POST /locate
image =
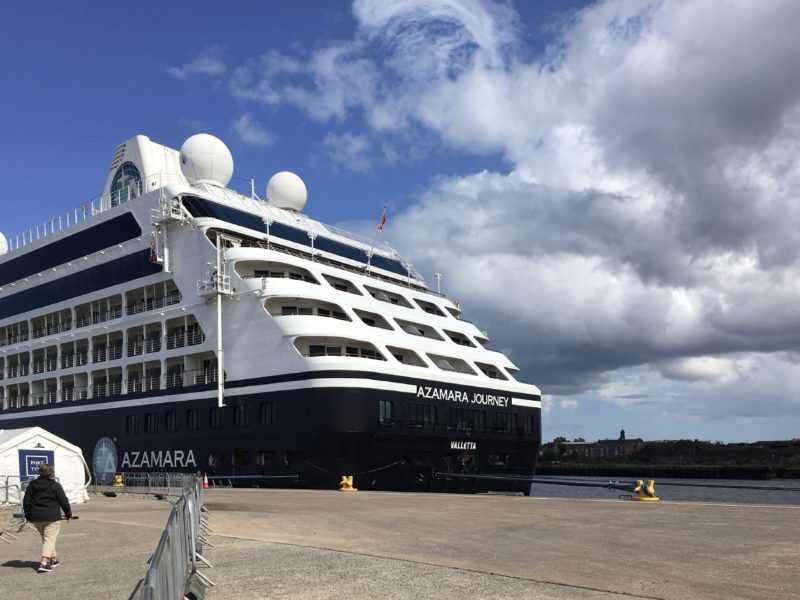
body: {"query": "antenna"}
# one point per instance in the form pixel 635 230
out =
pixel 438 282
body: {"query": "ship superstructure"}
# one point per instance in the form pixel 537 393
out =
pixel 336 358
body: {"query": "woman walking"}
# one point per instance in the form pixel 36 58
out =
pixel 43 502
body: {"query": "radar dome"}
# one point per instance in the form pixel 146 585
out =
pixel 205 158
pixel 3 244
pixel 287 190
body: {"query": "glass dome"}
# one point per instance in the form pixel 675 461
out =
pixel 126 185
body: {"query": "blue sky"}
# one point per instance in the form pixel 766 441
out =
pixel 610 189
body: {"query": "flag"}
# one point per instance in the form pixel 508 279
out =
pixel 383 220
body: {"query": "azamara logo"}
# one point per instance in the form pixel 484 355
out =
pixel 149 459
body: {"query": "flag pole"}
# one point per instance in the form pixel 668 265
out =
pixel 375 237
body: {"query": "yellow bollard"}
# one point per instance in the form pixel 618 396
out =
pixel 346 484
pixel 118 481
pixel 645 493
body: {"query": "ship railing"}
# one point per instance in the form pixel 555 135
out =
pixel 38 367
pixel 135 348
pixel 141 306
pixel 18 370
pixel 14 339
pixel 143 384
pixel 152 345
pixel 190 377
pixel 74 393
pixel 176 340
pixel 89 209
pixel 106 389
pixel 41 398
pixel 115 352
pixel 53 329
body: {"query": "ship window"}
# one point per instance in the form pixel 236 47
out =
pixel 171 421
pixel 216 418
pixel 429 308
pixel 406 356
pixel 385 411
pixel 466 419
pixel 265 458
pixel 505 422
pixel 305 310
pixel 151 423
pixel 387 296
pixel 266 414
pixel 288 310
pixel 240 417
pixel 373 319
pixel 241 457
pixel 215 458
pixel 499 460
pixel 419 329
pixel 421 415
pixel 294 458
pixel 531 424
pixel 334 347
pixel 132 424
pixel 193 419
pixel 449 363
pixel 341 284
pixel 491 371
pixel 126 185
pixel 323 312
pixel 459 338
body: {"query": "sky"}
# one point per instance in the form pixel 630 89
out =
pixel 610 189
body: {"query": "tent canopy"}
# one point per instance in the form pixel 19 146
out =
pixel 22 450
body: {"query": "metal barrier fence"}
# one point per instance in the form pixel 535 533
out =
pixel 168 484
pixel 11 493
pixel 175 559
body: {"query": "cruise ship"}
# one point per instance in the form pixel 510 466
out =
pixel 174 324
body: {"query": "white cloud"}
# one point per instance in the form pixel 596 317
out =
pixel 251 131
pixel 347 151
pixel 651 215
pixel 207 63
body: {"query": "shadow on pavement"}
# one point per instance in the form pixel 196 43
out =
pixel 21 564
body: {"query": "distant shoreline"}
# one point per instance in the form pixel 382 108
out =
pixel 756 472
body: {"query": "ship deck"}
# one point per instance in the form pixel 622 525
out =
pixel 323 544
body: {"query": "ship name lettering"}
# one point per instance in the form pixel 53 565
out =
pixel 136 459
pixel 463 446
pixel 435 393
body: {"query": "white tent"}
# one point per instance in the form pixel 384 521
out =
pixel 22 450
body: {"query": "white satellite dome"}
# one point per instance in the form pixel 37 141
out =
pixel 205 158
pixel 287 190
pixel 3 244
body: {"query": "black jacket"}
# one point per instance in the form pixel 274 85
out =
pixel 44 500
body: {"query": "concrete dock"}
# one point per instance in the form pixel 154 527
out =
pixel 326 544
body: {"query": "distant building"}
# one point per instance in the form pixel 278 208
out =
pixel 601 448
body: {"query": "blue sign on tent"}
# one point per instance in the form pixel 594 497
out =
pixel 31 460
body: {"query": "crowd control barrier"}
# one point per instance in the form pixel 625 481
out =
pixel 168 484
pixel 175 559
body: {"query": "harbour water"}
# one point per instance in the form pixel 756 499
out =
pixel 693 490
